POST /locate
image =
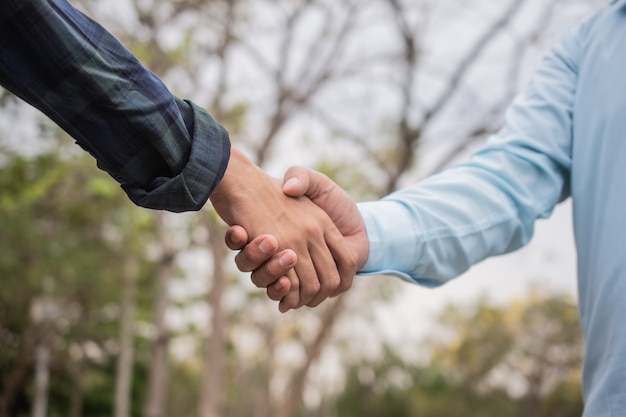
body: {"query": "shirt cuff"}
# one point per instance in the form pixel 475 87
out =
pixel 190 189
pixel 394 244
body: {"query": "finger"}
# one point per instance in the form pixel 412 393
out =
pixel 332 199
pixel 279 289
pixel 320 282
pixel 345 261
pixel 292 299
pixel 236 237
pixel 256 253
pixel 300 181
pixel 279 265
pixel 328 283
pixel 296 181
pixel 326 268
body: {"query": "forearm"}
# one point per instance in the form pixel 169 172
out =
pixel 436 230
pixel 166 153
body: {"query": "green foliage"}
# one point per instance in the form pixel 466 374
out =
pixel 351 178
pixel 68 235
pixel 519 360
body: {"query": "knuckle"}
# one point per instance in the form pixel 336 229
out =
pixel 291 301
pixel 256 280
pixel 345 287
pixel 272 268
pixel 312 225
pixel 335 281
pixel 330 283
pixel 242 262
pixel 273 294
pixel 346 283
pixel 311 289
pixel 315 302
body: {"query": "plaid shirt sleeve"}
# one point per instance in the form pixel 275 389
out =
pixel 167 153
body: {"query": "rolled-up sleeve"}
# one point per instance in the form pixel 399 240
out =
pixel 167 153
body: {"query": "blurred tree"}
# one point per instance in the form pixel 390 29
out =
pixel 67 240
pixel 522 359
pixel 358 88
pixel 125 357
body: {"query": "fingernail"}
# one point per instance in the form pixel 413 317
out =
pixel 278 285
pixel 286 259
pixel 291 181
pixel 266 246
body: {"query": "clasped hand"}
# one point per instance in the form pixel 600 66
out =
pixel 307 243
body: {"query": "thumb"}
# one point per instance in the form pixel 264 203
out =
pixel 236 237
pixel 299 181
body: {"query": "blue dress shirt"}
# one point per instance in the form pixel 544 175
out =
pixel 565 137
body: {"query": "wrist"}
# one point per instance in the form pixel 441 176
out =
pixel 362 250
pixel 230 194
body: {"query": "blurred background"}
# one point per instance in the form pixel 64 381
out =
pixel 107 309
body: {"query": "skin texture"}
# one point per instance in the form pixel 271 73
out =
pixel 270 265
pixel 292 229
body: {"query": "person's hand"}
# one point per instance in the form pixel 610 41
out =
pixel 270 266
pixel 259 250
pixel 248 197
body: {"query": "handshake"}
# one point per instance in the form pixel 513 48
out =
pixel 303 240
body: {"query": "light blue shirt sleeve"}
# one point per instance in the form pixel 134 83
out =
pixel 564 137
pixel 435 230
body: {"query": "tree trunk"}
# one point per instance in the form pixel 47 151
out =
pixel 14 381
pixel 212 393
pixel 156 395
pixel 293 400
pixel 77 396
pixel 264 407
pixel 125 360
pixel 42 379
